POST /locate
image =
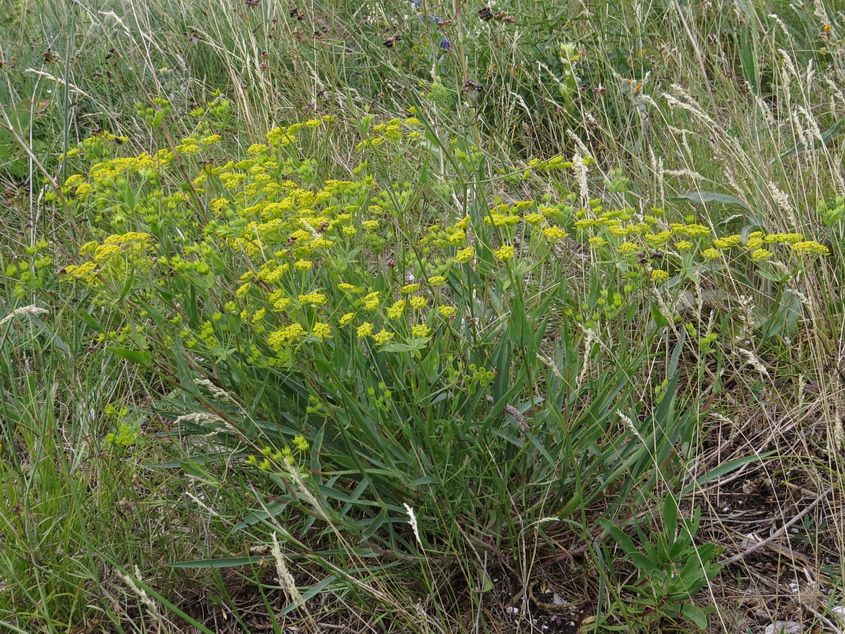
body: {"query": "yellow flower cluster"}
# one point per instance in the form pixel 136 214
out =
pixel 630 236
pixel 312 299
pixel 132 245
pixel 285 335
pixel 810 246
pixel 505 252
pixel 393 131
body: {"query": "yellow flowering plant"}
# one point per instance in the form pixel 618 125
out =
pixel 338 311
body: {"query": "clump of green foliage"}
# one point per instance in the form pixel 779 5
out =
pixel 419 355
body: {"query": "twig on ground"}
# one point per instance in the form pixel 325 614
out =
pixel 765 542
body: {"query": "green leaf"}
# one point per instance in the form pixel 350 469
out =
pixel 520 328
pixel 778 278
pixel 20 118
pixel 659 318
pixel 486 583
pixel 200 459
pixel 397 347
pixel 694 614
pixel 501 359
pixel 676 353
pixel 135 356
pixel 54 337
pixel 644 563
pixel 375 524
pixel 153 313
pixel 229 562
pixel 516 441
pixel 670 516
pixel 420 482
pixel 784 318
pixel 272 509
pixel 90 320
pixel 723 469
pixel 619 537
pixel 128 283
pixel 539 448
pixel 195 470
pixel 702 198
pixel 308 594
pixel 748 55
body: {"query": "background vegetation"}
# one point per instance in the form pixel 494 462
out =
pixel 421 316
